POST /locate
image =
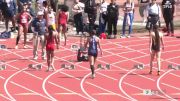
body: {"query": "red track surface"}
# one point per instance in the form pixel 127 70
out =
pixel 120 83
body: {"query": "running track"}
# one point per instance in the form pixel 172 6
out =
pixel 121 83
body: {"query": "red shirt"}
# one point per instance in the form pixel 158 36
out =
pixel 24 18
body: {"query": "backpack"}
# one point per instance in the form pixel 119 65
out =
pixel 5 35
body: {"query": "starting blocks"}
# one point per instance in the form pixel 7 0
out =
pixel 139 66
pixel 2 46
pixel 171 66
pixel 2 65
pixel 74 47
pixel 65 66
pixel 38 66
pixel 107 66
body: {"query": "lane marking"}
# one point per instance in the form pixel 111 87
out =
pixel 120 84
pixel 158 86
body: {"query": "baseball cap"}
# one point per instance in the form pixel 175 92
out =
pixel 40 13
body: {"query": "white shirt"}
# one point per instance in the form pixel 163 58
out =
pixel 154 9
pixel 103 7
pixel 8 2
pixel 51 18
pixel 129 5
pixel 78 8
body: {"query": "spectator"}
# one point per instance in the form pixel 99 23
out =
pixel 91 10
pixel 9 12
pixel 153 14
pixel 169 11
pixel 1 16
pixel 39 29
pixel 78 18
pixel 142 8
pixel 113 13
pixel 128 17
pixel 103 16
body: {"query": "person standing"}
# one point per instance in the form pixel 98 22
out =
pixel 93 41
pixel 103 17
pixel 153 14
pixel 62 19
pixel 24 19
pixel 156 45
pixel 113 14
pixel 50 39
pixel 128 17
pixel 91 10
pixel 78 18
pixel 39 29
pixel 9 12
pixel 169 11
pixel 142 8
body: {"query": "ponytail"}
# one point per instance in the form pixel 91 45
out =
pixel 157 37
pixel 50 29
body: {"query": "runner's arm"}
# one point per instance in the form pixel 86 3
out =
pixel 56 40
pixel 162 42
pixel 99 44
pixel 150 42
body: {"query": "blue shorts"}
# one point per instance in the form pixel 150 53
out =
pixel 93 54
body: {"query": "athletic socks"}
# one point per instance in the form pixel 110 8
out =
pixel 17 39
pixel 92 69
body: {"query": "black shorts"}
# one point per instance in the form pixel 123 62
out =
pixel 9 13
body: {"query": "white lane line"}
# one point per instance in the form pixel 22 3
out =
pixel 111 92
pixel 82 86
pixel 44 84
pixel 68 90
pixel 158 86
pixel 171 86
pixel 5 97
pixel 6 82
pixel 120 84
pixel 29 90
pixel 2 77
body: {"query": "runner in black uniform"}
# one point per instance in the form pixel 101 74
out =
pixel 156 39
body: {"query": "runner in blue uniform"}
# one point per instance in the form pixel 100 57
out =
pixel 93 41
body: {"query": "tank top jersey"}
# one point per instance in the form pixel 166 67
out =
pixel 24 18
pixel 156 46
pixel 129 5
pixel 92 45
pixel 51 18
pixel 62 18
pixel 50 43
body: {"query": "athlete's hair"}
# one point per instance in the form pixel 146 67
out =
pixel 157 37
pixel 64 8
pixel 50 30
pixel 93 32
